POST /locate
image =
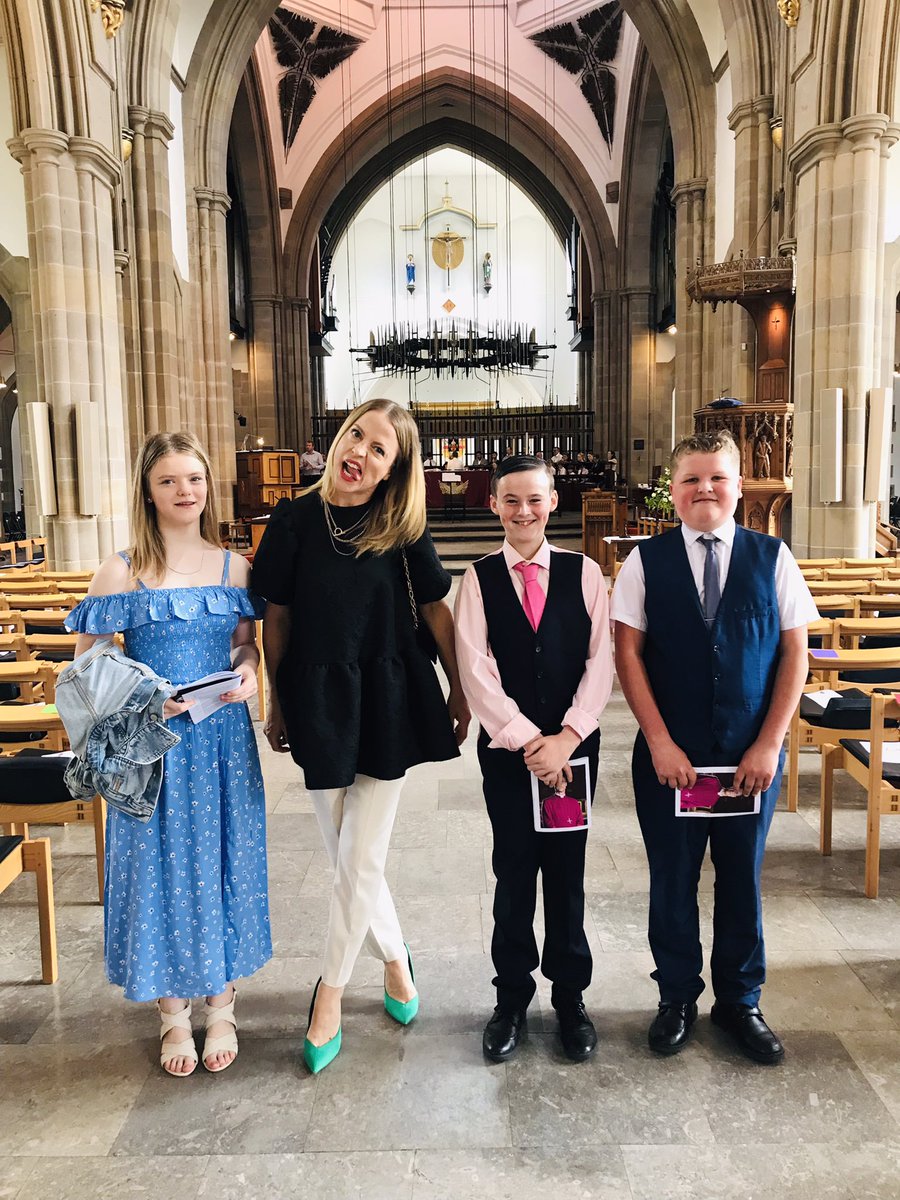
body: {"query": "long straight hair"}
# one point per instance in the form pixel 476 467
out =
pixel 148 553
pixel 397 514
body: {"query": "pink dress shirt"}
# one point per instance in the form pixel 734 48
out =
pixel 500 716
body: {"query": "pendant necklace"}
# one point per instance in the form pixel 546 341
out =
pixel 175 570
pixel 344 537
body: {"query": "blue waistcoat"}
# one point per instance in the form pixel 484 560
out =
pixel 540 670
pixel 712 686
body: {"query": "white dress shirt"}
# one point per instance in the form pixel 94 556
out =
pixel 796 606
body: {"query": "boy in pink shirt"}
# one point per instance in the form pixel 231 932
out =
pixel 535 662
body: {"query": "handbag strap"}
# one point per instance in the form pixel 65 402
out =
pixel 413 607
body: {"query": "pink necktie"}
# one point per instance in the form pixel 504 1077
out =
pixel 534 599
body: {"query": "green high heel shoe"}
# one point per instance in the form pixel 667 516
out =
pixel 317 1058
pixel 403 1011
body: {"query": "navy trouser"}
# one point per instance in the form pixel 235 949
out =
pixel 519 853
pixel 675 848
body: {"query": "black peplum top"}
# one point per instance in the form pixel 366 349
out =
pixel 357 694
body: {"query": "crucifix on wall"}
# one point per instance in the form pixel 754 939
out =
pixel 447 250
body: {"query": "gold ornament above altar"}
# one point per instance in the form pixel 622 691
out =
pixel 112 13
pixel 790 12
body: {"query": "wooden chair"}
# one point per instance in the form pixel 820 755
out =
pixel 826 665
pixel 18 854
pixel 812 573
pixel 32 791
pixel 881 563
pixel 853 573
pixel 848 587
pixel 848 630
pixel 42 620
pixel 54 647
pixel 884 587
pixel 819 562
pixel 63 600
pixel 881 781
pixel 19 586
pixel 836 605
pixel 29 676
pixel 868 606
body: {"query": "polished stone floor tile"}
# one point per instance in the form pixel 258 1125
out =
pixel 177 1177
pixel 878 1057
pixel 13 1174
pixel 532 1174
pixel 259 1105
pixel 733 1173
pixel 818 1094
pixel 68 1099
pixel 818 990
pixel 864 924
pixel 619 1096
pixel 880 972
pixel 396 1091
pixel 379 1175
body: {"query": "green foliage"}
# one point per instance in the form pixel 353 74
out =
pixel 659 502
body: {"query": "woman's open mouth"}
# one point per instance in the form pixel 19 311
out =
pixel 351 471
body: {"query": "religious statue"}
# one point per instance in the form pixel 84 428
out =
pixel 487 268
pixel 789 450
pixel 410 273
pixel 762 452
pixel 447 250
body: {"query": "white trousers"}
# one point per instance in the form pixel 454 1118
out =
pixel 356 824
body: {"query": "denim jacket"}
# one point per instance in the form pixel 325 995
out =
pixel 112 708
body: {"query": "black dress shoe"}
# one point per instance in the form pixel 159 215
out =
pixel 502 1033
pixel 746 1025
pixel 671 1027
pixel 579 1037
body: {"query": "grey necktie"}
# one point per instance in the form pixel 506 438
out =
pixel 712 593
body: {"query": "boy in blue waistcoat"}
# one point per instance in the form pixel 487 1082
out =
pixel 533 646
pixel 711 652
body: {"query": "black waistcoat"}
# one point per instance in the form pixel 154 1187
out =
pixel 541 671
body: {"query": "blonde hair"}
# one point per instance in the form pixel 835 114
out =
pixel 148 553
pixel 397 514
pixel 713 442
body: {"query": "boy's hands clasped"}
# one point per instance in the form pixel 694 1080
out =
pixel 547 756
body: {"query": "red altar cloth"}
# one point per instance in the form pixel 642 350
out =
pixel 478 488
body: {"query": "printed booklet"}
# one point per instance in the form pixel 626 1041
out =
pixel 714 795
pixel 563 809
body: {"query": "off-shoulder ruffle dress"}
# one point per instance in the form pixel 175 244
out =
pixel 186 894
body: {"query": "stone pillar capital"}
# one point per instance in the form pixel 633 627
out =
pixel 150 123
pixel 121 258
pixel 213 200
pixel 748 112
pixel 687 189
pixel 823 141
pixel 95 158
pixel 44 144
pixel 864 131
pixel 303 303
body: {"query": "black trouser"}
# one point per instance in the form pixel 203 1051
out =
pixel 519 853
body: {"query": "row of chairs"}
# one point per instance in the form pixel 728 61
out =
pixel 838 665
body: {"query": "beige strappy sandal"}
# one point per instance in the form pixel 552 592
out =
pixel 228 1041
pixel 171 1050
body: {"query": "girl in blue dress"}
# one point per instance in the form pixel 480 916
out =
pixel 186 899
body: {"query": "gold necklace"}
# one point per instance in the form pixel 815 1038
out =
pixel 175 570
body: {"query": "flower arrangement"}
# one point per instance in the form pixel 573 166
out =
pixel 659 502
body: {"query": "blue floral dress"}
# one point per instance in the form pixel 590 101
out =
pixel 187 906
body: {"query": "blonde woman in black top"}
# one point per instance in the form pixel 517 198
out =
pixel 348 570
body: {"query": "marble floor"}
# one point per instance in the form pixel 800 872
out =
pixel 417 1113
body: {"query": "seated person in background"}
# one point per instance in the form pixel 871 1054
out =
pixel 479 462
pixel 312 464
pixel 454 463
pixel 428 463
pixel 493 462
pixel 557 456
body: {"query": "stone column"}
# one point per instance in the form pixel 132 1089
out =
pixel 839 181
pixel 599 394
pixel 265 352
pixel 69 188
pixel 152 265
pixel 215 426
pixel 689 197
